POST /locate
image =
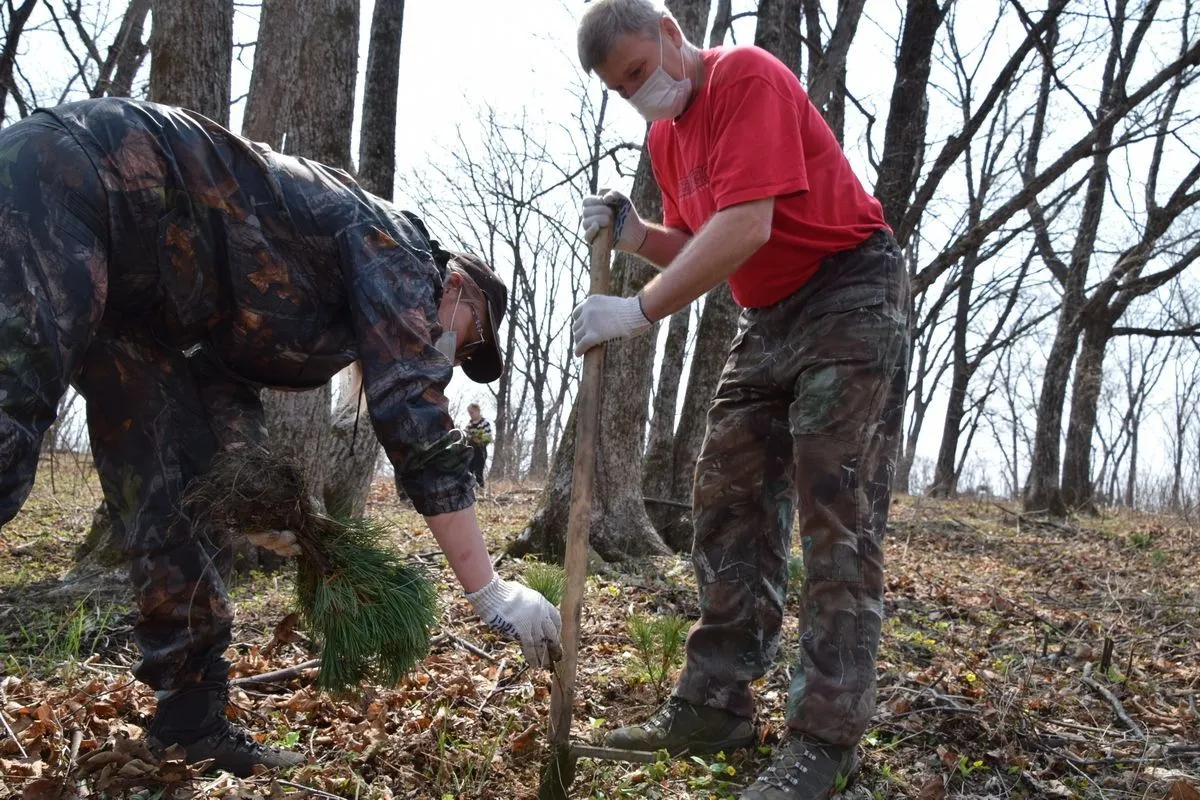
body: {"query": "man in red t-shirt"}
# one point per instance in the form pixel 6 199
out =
pixel 806 417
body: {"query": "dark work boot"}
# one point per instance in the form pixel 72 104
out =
pixel 194 718
pixel 805 769
pixel 680 727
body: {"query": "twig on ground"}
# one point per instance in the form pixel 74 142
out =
pixel 496 685
pixel 310 789
pixel 937 709
pixel 277 675
pixel 76 741
pixel 446 636
pixel 1118 709
pixel 7 727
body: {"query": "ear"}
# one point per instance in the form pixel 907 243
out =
pixel 454 280
pixel 671 31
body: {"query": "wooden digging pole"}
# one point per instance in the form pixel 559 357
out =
pixel 559 769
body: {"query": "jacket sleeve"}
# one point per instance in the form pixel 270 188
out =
pixel 394 290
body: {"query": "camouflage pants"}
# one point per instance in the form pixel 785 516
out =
pixel 806 418
pixel 155 416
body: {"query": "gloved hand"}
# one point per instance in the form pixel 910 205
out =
pixel 602 317
pixel 281 543
pixel 613 208
pixel 522 614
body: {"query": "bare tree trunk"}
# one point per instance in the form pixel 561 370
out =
pixel 714 334
pixel 904 136
pixel 187 69
pixel 1042 486
pixel 304 105
pixel 778 30
pixel 620 526
pixel 18 16
pixel 827 77
pixel 126 53
pixel 945 474
pixel 656 471
pixel 353 445
pixel 1077 490
pixel 377 143
pixel 721 23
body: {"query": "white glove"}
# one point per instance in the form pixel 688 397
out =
pixel 602 317
pixel 522 614
pixel 613 208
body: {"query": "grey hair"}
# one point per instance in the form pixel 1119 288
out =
pixel 606 20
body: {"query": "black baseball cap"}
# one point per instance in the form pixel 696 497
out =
pixel 485 364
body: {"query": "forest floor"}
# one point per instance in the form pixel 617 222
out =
pixel 1020 658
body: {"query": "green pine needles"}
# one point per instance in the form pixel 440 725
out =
pixel 370 611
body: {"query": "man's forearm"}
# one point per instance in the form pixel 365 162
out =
pixel 711 256
pixel 460 538
pixel 662 245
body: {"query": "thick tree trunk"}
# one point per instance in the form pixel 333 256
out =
pixel 904 136
pixel 187 69
pixel 778 30
pixel 657 471
pixel 1042 488
pixel 377 143
pixel 620 526
pixel 718 322
pixel 302 103
pixel 1077 489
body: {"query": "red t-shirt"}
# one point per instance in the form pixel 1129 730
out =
pixel 750 133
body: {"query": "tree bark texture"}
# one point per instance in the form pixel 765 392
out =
pixel 191 69
pixel 657 470
pixel 904 136
pixel 377 142
pixel 302 103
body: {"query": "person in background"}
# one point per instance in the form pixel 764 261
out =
pixel 479 436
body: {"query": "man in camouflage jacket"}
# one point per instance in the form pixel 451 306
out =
pixel 169 270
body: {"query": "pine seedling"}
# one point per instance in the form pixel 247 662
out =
pixel 371 612
pixel 548 580
pixel 659 644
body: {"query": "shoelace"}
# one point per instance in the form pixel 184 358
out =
pixel 242 740
pixel 662 717
pixel 782 772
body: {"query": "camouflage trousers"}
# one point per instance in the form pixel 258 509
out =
pixel 155 416
pixel 805 420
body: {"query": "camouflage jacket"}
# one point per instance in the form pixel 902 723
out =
pixel 283 269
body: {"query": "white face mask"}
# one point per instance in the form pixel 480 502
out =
pixel 447 343
pixel 661 96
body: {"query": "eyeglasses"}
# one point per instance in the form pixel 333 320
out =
pixel 466 350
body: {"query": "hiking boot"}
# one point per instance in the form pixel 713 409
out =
pixel 194 718
pixel 680 727
pixel 805 770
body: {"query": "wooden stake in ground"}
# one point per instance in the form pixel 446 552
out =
pixel 559 770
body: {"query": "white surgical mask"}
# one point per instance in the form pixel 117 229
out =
pixel 447 343
pixel 661 96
